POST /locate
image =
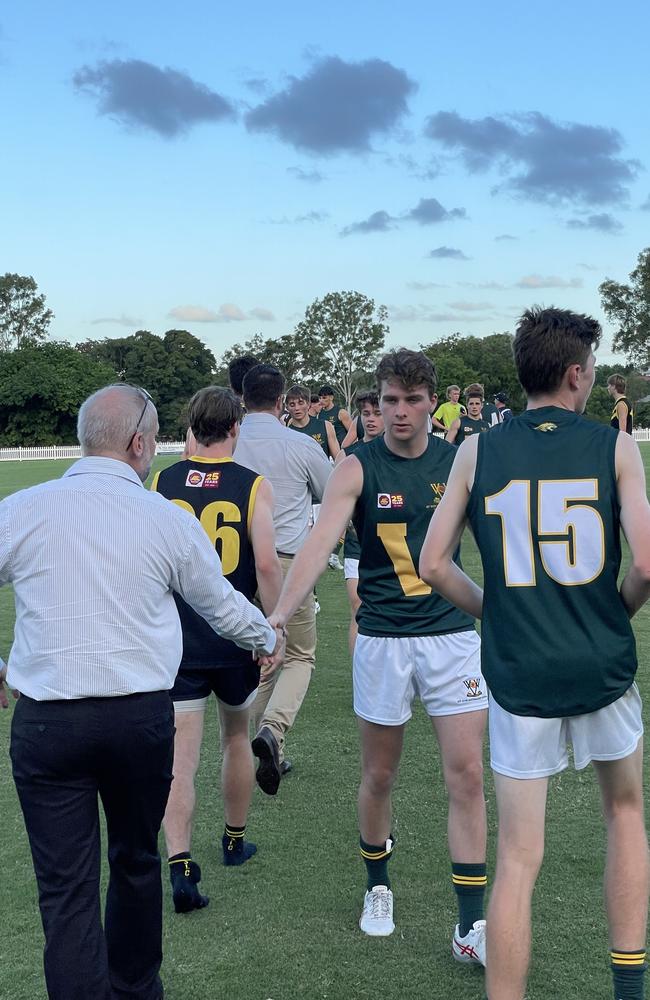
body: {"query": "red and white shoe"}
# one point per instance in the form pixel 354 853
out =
pixel 471 948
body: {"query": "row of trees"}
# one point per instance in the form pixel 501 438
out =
pixel 42 383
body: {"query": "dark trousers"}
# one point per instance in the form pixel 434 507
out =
pixel 66 755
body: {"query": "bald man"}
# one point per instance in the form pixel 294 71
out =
pixel 94 558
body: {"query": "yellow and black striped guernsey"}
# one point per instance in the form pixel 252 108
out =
pixel 221 494
pixel 556 638
pixel 391 518
pixel 629 420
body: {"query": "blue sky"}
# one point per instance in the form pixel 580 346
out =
pixel 215 168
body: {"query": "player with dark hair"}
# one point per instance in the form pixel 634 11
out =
pixel 237 369
pixel 411 641
pixel 463 427
pixel 546 495
pixel 297 402
pixel 622 415
pixel 235 507
pixel 338 416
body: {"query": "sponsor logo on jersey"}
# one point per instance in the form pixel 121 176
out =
pixel 390 500
pixel 195 478
pixel 548 426
pixel 473 685
pixel 212 479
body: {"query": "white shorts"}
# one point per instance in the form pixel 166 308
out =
pixel 444 671
pixel 523 746
pixel 351 569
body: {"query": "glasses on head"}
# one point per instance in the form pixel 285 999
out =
pixel 147 399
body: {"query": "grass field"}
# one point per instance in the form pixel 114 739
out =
pixel 284 926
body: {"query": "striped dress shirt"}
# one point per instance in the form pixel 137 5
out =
pixel 94 558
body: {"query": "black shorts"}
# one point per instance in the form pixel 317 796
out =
pixel 231 685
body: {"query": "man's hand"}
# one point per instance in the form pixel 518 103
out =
pixel 269 664
pixel 4 701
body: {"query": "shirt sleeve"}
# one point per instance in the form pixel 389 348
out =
pixel 318 471
pixel 5 549
pixel 439 411
pixel 201 583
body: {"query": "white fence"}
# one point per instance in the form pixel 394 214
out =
pixel 73 451
pixel 163 448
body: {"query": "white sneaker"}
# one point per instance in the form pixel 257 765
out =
pixel 377 917
pixel 334 562
pixel 470 948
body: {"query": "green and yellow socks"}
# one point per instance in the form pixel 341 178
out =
pixel 376 857
pixel 470 882
pixel 628 971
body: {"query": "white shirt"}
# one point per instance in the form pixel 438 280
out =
pixel 94 558
pixel 295 466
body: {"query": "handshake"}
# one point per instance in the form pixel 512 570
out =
pixel 270 663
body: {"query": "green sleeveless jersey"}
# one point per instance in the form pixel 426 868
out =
pixel 351 547
pixel 629 423
pixel 391 518
pixel 556 638
pixel 333 417
pixel 469 427
pixel 316 431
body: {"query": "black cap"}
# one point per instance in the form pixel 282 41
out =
pixel 501 397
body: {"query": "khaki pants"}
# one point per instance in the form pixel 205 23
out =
pixel 279 699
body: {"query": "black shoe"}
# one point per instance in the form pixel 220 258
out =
pixel 185 876
pixel 265 746
pixel 285 767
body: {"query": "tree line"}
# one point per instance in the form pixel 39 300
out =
pixel 43 382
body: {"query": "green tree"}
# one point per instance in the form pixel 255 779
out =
pixel 42 387
pixel 487 360
pixel 23 314
pixel 628 306
pixel 340 338
pixel 171 368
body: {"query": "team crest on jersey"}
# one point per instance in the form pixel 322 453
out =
pixel 195 478
pixel 212 479
pixel 391 501
pixel 438 493
pixel 546 427
pixel 473 685
pixel 318 438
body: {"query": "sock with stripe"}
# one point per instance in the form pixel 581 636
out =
pixel 469 883
pixel 236 850
pixel 628 971
pixel 376 857
pixel 185 875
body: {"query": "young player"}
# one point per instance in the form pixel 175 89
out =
pixel 336 415
pixel 463 427
pixel 235 506
pixel 547 494
pixel 411 641
pixel 622 415
pixel 372 425
pixel 446 413
pixel 297 402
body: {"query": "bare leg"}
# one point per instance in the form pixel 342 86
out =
pixel 381 749
pixel 238 770
pixel 177 823
pixel 355 603
pixel 520 849
pixel 461 747
pixel 626 870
